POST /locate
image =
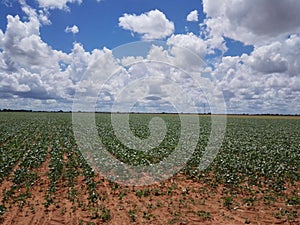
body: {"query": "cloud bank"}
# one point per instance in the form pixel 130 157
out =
pixel 266 80
pixel 253 22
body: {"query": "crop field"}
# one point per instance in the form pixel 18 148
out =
pixel 45 179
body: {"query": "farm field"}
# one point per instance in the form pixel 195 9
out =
pixel 45 179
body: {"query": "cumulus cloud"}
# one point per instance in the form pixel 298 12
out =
pixel 277 57
pixel 192 16
pixel 151 25
pixel 59 4
pixel 252 21
pixel 268 59
pixel 23 46
pixel 188 51
pixel 190 41
pixel 74 29
pixel 43 16
pixel 265 81
pixel 29 67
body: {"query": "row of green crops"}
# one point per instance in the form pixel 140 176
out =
pixel 259 151
pixel 27 141
pixel 266 152
pixel 252 148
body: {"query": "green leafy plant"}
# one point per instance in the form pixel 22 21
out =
pixel 132 215
pixel 204 215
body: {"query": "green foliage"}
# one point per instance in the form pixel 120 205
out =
pixel 105 214
pixel 204 215
pixel 287 214
pixel 143 192
pixel 228 202
pixel 2 209
pixel 293 200
pixel 257 152
pixel 101 213
pixel 132 215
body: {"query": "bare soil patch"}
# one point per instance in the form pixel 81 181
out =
pixel 177 201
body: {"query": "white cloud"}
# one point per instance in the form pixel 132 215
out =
pixel 74 29
pixel 43 16
pixel 268 59
pixel 29 68
pixel 7 3
pixel 189 41
pixel 253 21
pixel 59 4
pixel 151 25
pixel 188 51
pixel 34 75
pixel 276 57
pixel 192 16
pixel 265 81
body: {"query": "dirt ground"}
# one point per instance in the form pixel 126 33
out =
pixel 176 201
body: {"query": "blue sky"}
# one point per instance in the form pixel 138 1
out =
pixel 98 21
pixel 47 47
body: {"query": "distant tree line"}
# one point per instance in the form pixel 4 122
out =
pixel 208 113
pixel 15 110
pixel 28 110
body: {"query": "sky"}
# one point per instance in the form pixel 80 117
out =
pixel 156 56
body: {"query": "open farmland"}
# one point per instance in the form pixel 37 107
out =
pixel 44 178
